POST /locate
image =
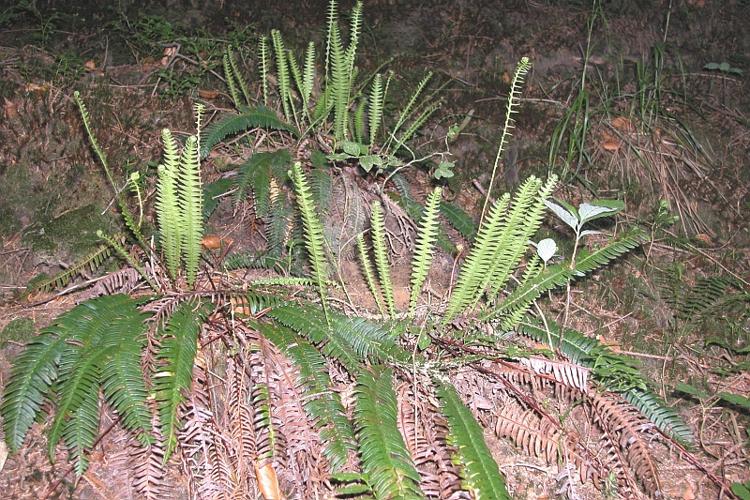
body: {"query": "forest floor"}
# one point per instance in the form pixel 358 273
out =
pixel 666 119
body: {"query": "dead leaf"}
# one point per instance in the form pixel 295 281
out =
pixel 211 242
pixel 208 93
pixel 688 493
pixel 613 344
pixel 268 483
pixel 90 65
pixel 36 87
pixel 610 143
pixel 622 123
pixel 506 78
pixel 10 109
pixel 704 238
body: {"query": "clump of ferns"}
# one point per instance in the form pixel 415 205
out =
pixel 342 115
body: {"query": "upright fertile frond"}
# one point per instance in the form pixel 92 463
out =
pixel 263 62
pixel 313 230
pixel 190 198
pixel 424 248
pixel 297 76
pixel 517 303
pixel 229 77
pixel 364 261
pixel 478 262
pixel 322 404
pixel 522 68
pixel 385 459
pixel 355 29
pixel 406 111
pixel 84 112
pixel 167 205
pixel 308 73
pixel 340 83
pixel 416 125
pixel 176 357
pixel 238 77
pixel 375 108
pixel 479 471
pixel 332 20
pixel 282 71
pixel 381 256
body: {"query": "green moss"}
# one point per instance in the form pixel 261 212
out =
pixel 18 330
pixel 73 232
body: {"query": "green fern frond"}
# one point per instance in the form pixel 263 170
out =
pixel 359 122
pixel 523 221
pixel 190 199
pixel 231 124
pixel 85 118
pixel 415 125
pixel 423 251
pixel 297 77
pixel 90 261
pixel 385 459
pixel 459 219
pixel 263 62
pixel 615 372
pixel 167 207
pixel 80 430
pixel 323 405
pixel 282 72
pixel 375 108
pixel 522 68
pixel 33 372
pixel 278 228
pixel 407 110
pixel 340 83
pixel 477 264
pixel 249 260
pixel 479 472
pixel 313 230
pixel 308 73
pixel 706 293
pixel 263 421
pixel 558 275
pixel 381 256
pixel 355 29
pixel 332 20
pixel 229 77
pixel 256 173
pixel 364 261
pixel 237 74
pixel 175 371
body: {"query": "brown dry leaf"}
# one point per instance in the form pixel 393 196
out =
pixel 506 78
pixel 268 483
pixel 208 93
pixel 610 143
pixel 211 242
pixel 613 344
pixel 622 123
pixel 704 238
pixel 688 493
pixel 10 109
pixel 36 87
pixel 240 306
pixel 90 65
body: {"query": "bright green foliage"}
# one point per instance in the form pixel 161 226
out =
pixel 615 372
pixel 377 225
pixel 313 231
pixel 167 208
pixel 233 74
pixel 190 201
pixel 90 261
pixel 282 70
pixel 375 107
pixel 406 113
pixel 364 260
pixel 263 62
pixel 424 248
pixel 386 462
pixel 323 405
pixel 228 76
pixel 517 303
pixel 174 377
pixel 231 124
pixel 89 346
pixel 479 471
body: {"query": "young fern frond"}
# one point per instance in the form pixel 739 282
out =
pixel 167 207
pixel 323 404
pixel 176 357
pixel 332 19
pixel 263 62
pixel 614 371
pixel 424 247
pixel 375 108
pixel 416 125
pixel 313 232
pixel 308 74
pixel 229 77
pixel 297 76
pixel 364 261
pixel 355 29
pixel 522 222
pixel 340 83
pixel 380 249
pixel 237 74
pixel 522 68
pixel 190 200
pixel 385 459
pixel 479 472
pixel 407 111
pixel 477 264
pixel 519 301
pixel 282 71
